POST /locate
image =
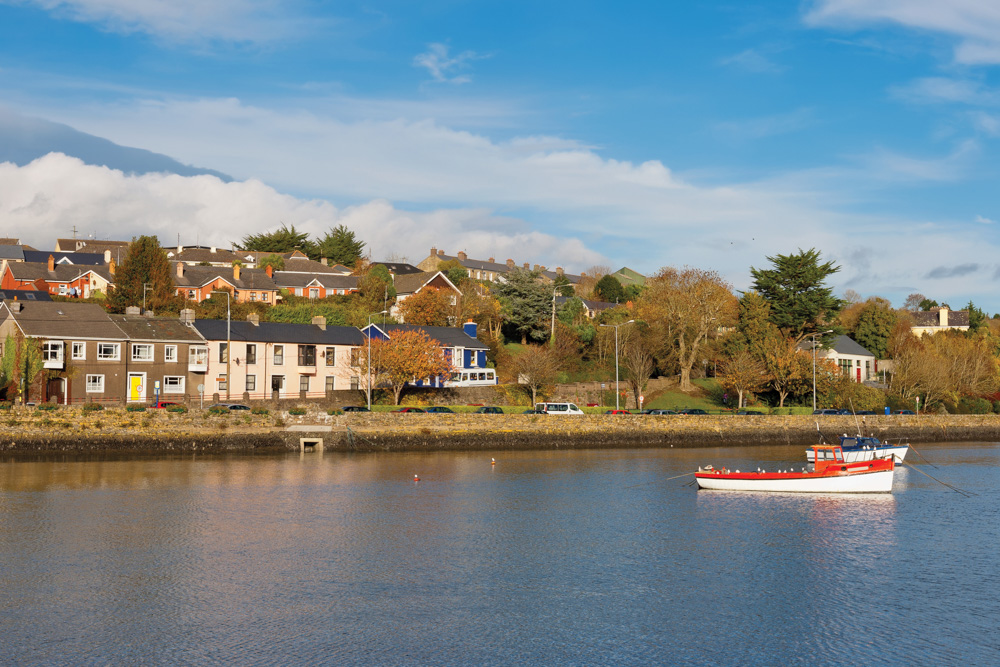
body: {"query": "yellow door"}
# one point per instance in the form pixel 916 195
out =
pixel 137 387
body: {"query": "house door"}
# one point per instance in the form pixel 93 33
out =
pixel 859 373
pixel 55 389
pixel 137 387
pixel 277 385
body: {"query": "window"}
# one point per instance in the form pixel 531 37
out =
pixel 307 355
pixel 331 356
pixel 265 296
pixel 52 351
pixel 79 351
pixel 845 366
pixel 331 384
pixel 304 383
pixel 191 294
pixel 279 355
pixel 223 385
pixel 251 383
pixel 173 384
pixel 95 384
pixel 142 352
pixel 251 353
pixel 313 293
pixel 253 296
pixel 298 291
pixel 62 290
pixel 108 351
pixel 223 352
pixel 170 354
pixel 198 356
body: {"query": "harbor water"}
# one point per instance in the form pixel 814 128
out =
pixel 596 557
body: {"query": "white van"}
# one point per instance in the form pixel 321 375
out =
pixel 558 408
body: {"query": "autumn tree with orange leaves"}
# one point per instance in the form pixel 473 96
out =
pixel 430 307
pixel 407 356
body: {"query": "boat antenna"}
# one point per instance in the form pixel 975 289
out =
pixel 856 424
pixel 819 432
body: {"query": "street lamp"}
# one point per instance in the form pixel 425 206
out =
pixel 145 288
pixel 381 312
pixel 813 336
pixel 229 341
pixel 616 355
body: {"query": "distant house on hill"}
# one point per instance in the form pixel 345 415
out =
pixel 939 319
pixel 117 249
pixel 196 283
pixel 627 276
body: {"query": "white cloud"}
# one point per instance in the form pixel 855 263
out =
pixel 984 221
pixel 187 20
pixel 444 68
pixel 942 89
pixel 974 23
pixel 753 60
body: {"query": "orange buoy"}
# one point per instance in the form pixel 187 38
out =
pixel 416 478
pixel 493 462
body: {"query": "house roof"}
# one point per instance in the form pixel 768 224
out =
pixel 479 264
pixel 932 317
pixel 62 273
pixel 330 281
pixel 9 241
pixel 846 345
pixel 11 252
pixel 50 319
pixel 24 295
pixel 412 282
pixel 199 276
pixel 300 265
pixel 447 336
pixel 279 332
pixel 137 327
pixel 572 278
pixel 197 255
pixel 92 246
pixel 596 306
pixel 78 258
pixel 399 268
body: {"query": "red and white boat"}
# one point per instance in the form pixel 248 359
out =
pixel 831 474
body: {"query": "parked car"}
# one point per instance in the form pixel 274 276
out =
pixel 165 404
pixel 229 406
pixel 661 411
pixel 355 408
pixel 749 412
pixel 437 409
pixel 532 411
pixel 617 412
pixel 409 410
pixel 692 411
pixel 905 412
pixel 488 410
pixel 826 411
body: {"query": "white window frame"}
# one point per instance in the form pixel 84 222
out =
pixel 95 384
pixel 115 355
pixel 78 351
pixel 251 383
pixel 173 384
pixel 313 292
pixel 304 380
pixel 52 350
pixel 279 355
pixel 331 356
pixel 170 354
pixel 137 347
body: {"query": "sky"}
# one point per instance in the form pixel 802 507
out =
pixel 574 134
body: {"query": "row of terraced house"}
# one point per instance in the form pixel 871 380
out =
pixel 94 356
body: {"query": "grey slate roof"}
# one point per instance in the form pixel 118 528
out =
pixel 280 332
pixel 63 273
pixel 411 282
pixel 169 329
pixel 196 255
pixel 198 276
pixel 11 252
pixel 845 345
pixel 299 265
pixel 447 336
pixel 398 268
pixel 78 258
pixel 572 278
pixel 50 319
pixel 328 280
pixel 479 264
pixel 931 318
pixel 24 295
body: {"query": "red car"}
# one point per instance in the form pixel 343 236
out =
pixel 617 412
pixel 165 404
pixel 409 410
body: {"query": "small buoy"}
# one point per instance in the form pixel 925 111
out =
pixel 493 462
pixel 416 478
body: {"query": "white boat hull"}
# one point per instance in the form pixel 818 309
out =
pixel 856 455
pixel 856 482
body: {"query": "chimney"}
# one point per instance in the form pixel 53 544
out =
pixel 236 271
pixel 493 260
pixel 434 251
pixel 107 256
pixel 319 321
pixel 16 306
pixel 323 261
pixel 469 328
pixel 510 264
pixel 180 249
pixel 537 268
pixel 111 267
pixel 943 316
pixel 52 263
pixel 269 270
pixel 526 265
pixel 254 319
pixel 187 316
pixel 462 256
pixel 559 270
pixel 441 253
pixel 132 310
pixel 212 250
pixel 180 269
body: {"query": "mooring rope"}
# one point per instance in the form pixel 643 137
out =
pixel 967 494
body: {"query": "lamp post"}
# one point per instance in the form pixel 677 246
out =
pixel 616 356
pixel 229 341
pixel 381 312
pixel 813 336
pixel 145 288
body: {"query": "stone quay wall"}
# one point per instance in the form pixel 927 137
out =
pixel 72 430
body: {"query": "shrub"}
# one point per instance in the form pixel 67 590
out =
pixel 335 412
pixel 92 407
pixel 177 408
pixel 260 411
pixel 48 407
pixel 218 411
pixel 996 407
pixel 135 408
pixel 6 406
pixel 296 411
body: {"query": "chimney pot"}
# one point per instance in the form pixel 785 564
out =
pixel 440 252
pixel 493 260
pixel 107 256
pixel 180 269
pixel 510 263
pixel 462 256
pixel 254 319
pixel 212 250
pixel 187 315
pixel 52 263
pixel 559 270
pixel 236 271
pixel 111 267
pixel 269 270
pixel 537 268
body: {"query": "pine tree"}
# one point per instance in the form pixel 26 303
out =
pixel 801 302
pixel 340 246
pixel 145 272
pixel 285 239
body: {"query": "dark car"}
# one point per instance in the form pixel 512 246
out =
pixel 532 411
pixel 661 411
pixel 440 410
pixel 905 412
pixel 409 410
pixel 355 408
pixel 488 410
pixel 692 411
pixel 230 406
pixel 749 412
pixel 617 412
pixel 826 411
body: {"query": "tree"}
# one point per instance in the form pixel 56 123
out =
pixel 638 363
pixel 276 262
pixel 913 301
pixel 754 329
pixel 430 307
pixel 282 240
pixel 801 303
pixel 742 373
pixel 340 245
pixel 609 289
pixel 788 368
pixel 526 305
pixel 21 366
pixel 480 305
pixel 535 368
pixel 684 307
pixel 927 304
pixel 409 355
pixel 375 288
pixel 977 318
pixel 454 270
pixel 563 286
pixel 145 272
pixel 875 323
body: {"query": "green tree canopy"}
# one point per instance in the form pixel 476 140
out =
pixel 609 289
pixel 795 287
pixel 454 270
pixel 977 318
pixel 282 240
pixel 376 288
pixel 875 324
pixel 340 245
pixel 276 262
pixel 146 264
pixel 927 304
pixel 527 305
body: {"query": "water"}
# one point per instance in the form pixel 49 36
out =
pixel 590 557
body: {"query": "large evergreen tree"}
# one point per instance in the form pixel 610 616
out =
pixel 795 286
pixel 527 305
pixel 609 289
pixel 146 264
pixel 284 239
pixel 340 246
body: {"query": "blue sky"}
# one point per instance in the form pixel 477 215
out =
pixel 577 134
